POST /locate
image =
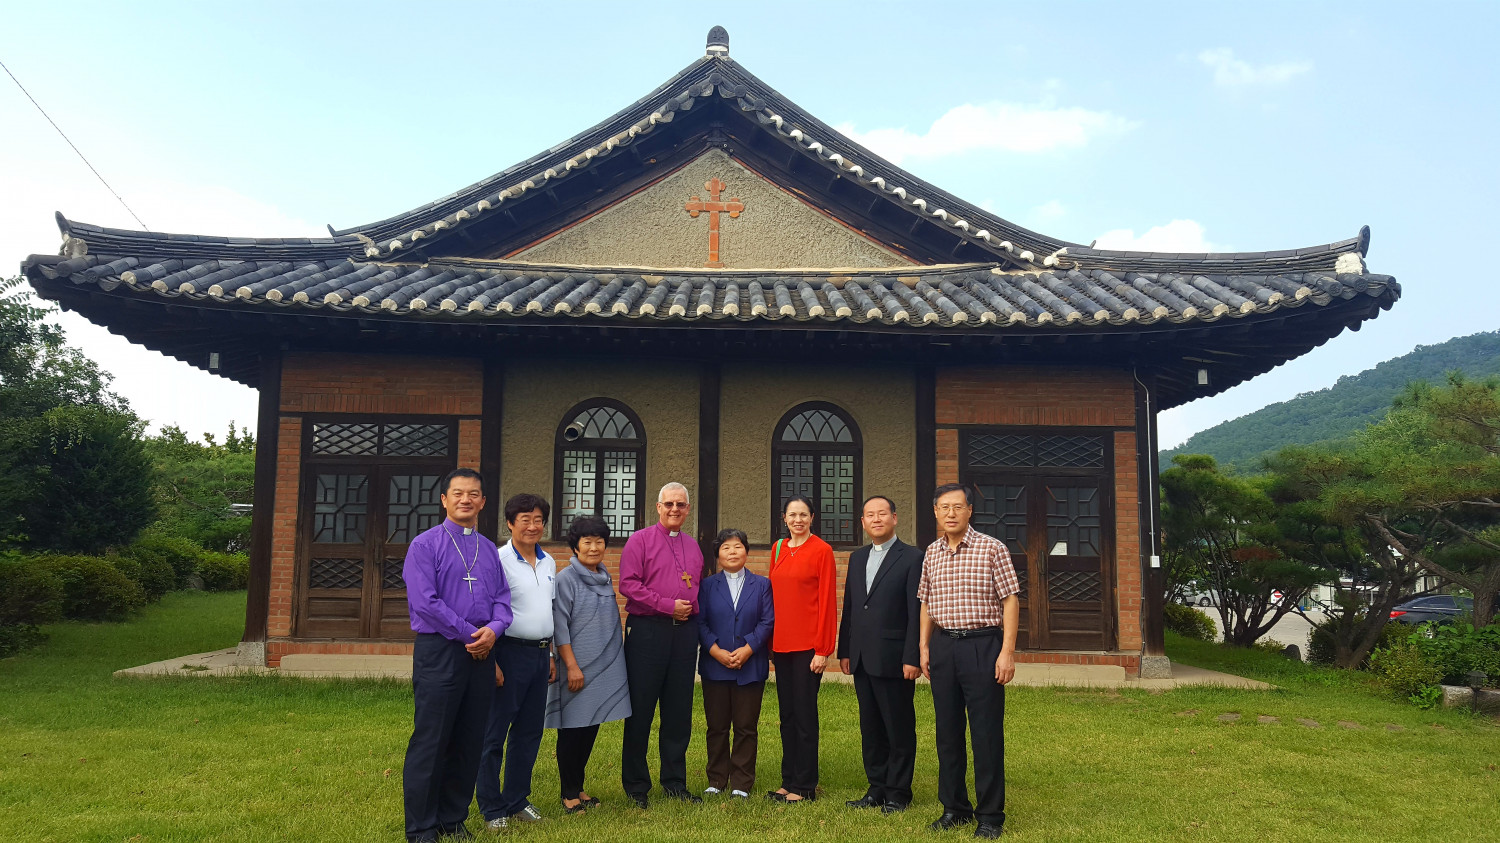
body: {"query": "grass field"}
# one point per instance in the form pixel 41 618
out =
pixel 85 756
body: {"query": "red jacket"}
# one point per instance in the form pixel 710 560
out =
pixel 804 591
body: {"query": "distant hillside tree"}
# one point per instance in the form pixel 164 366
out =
pixel 1343 409
pixel 197 484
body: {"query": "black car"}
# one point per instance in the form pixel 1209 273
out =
pixel 1442 608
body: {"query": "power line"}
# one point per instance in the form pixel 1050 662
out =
pixel 70 143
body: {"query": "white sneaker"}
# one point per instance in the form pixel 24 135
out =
pixel 739 794
pixel 527 814
pixel 497 824
pixel 710 791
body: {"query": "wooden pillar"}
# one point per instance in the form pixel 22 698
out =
pixel 492 419
pixel 706 501
pixel 926 424
pixel 263 512
pixel 1153 577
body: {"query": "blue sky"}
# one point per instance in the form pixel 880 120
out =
pixel 1164 125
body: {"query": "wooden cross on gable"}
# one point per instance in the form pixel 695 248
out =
pixel 714 207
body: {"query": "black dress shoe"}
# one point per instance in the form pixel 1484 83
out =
pixel 866 801
pixel 683 796
pixel 950 820
pixel 775 796
pixel 987 831
pixel 893 807
pixel 639 800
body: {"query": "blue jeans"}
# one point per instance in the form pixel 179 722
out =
pixel 514 734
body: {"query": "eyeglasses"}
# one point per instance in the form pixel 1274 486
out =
pixel 952 508
pixel 673 504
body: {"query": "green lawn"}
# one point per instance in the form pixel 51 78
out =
pixel 85 756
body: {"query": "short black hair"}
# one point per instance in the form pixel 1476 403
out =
pixel 787 504
pixel 888 502
pixel 954 487
pixel 730 533
pixel 526 502
pixel 461 472
pixel 585 526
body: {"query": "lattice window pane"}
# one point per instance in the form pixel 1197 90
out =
pixel 823 426
pixel 836 521
pixel 580 491
pixel 1074 527
pixel 340 504
pixel 605 423
pixel 990 450
pixel 325 572
pixel 390 574
pixel 1074 587
pixel 1001 513
pixel 413 505
pixel 619 490
pixel 1070 451
pixel 416 440
pixel 344 439
pixel 795 477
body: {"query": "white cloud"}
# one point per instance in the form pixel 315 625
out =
pixel 1175 236
pixel 1230 71
pixel 998 126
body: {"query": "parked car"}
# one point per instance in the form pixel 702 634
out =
pixel 1193 597
pixel 1442 608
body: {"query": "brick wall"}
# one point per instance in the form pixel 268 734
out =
pixel 284 530
pixel 375 383
pixel 1064 397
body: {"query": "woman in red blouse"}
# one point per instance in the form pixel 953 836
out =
pixel 804 593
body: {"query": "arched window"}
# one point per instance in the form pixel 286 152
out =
pixel 816 451
pixel 601 461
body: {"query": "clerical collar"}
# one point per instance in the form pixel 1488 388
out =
pixel 734 575
pixel 884 546
pixel 468 531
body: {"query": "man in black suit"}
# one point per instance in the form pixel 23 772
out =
pixel 878 644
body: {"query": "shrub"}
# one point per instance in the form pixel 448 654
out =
pixel 1456 649
pixel 30 595
pixel 178 553
pixel 224 571
pixel 1189 622
pixel 152 574
pixel 93 589
pixel 1405 670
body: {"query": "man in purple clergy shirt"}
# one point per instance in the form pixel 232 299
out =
pixel 460 604
pixel 659 571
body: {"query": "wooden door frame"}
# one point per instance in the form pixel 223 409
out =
pixel 1035 478
pixel 379 468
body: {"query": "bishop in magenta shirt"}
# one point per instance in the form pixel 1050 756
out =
pixel 658 568
pixel 440 599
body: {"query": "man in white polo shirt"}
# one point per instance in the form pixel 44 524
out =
pixel 523 669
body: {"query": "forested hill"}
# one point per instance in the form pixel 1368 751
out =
pixel 1341 409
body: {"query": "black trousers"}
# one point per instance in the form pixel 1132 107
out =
pixel 797 695
pixel 964 689
pixel 726 704
pixel 661 661
pixel 514 733
pixel 888 734
pixel 452 691
pixel 574 746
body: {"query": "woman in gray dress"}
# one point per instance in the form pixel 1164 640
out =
pixel 591 686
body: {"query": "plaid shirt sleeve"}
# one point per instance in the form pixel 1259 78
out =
pixel 1006 582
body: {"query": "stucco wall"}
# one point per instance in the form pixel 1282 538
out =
pixel 653 228
pixel 880 400
pixel 539 392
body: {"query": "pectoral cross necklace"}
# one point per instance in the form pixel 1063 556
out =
pixel 468 563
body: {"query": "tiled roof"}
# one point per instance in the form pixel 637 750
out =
pixel 957 297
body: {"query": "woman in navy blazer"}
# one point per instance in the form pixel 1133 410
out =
pixel 734 625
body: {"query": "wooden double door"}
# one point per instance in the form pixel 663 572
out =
pixel 1047 496
pixel 369 488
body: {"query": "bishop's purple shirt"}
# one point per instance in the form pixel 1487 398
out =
pixel 651 569
pixel 438 598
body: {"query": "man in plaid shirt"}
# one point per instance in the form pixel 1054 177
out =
pixel 970 616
